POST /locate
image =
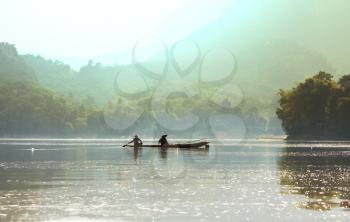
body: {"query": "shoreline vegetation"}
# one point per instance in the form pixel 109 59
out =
pixel 318 108
pixel 317 138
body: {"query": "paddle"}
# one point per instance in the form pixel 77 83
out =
pixel 127 145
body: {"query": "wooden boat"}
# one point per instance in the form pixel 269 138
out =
pixel 194 145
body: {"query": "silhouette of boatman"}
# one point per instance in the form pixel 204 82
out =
pixel 137 141
pixel 163 141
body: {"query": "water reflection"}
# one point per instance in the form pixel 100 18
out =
pixel 137 152
pixel 322 175
pixel 163 153
pixel 228 182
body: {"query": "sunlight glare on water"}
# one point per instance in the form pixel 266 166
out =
pixel 98 180
pixel 80 219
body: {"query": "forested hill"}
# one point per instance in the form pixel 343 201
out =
pixel 35 88
pixel 29 108
pixel 92 84
pixel 41 97
pixel 12 65
pixel 44 97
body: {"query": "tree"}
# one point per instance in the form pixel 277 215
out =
pixel 28 109
pixel 344 82
pixel 304 110
pixel 317 107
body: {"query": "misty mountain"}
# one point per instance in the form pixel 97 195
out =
pixel 92 84
pixel 12 66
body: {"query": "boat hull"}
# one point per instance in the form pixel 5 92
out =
pixel 198 145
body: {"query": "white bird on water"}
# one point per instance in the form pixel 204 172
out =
pixel 33 149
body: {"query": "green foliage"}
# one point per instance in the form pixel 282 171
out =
pixel 344 82
pixel 318 107
pixel 92 83
pixel 28 109
pixel 12 65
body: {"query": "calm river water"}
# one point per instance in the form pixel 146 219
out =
pixel 98 180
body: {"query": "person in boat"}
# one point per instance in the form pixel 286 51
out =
pixel 163 141
pixel 137 141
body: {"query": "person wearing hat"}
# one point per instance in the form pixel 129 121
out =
pixel 163 141
pixel 137 141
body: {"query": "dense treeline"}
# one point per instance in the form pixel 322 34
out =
pixel 28 109
pixel 317 108
pixel 144 112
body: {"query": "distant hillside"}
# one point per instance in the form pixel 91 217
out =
pixel 65 102
pixel 93 83
pixel 262 70
pixel 268 67
pixel 12 66
pixel 318 26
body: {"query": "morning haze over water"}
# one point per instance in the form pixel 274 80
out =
pixel 227 110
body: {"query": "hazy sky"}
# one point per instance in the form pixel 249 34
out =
pixel 83 29
pixel 77 30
